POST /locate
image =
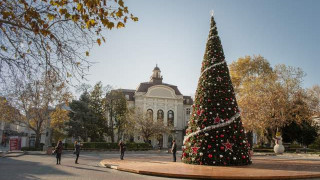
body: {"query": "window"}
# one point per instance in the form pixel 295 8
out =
pixel 188 111
pixel 160 115
pixel 150 114
pixel 127 96
pixel 170 118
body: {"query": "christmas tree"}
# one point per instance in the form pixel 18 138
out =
pixel 215 134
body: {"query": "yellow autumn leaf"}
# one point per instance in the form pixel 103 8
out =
pixel 119 13
pixel 120 25
pixel 110 25
pixel 99 41
pixel 51 17
pixel 134 18
pixel 121 3
pixel 79 7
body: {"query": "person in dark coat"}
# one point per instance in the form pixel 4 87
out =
pixel 122 146
pixel 174 150
pixel 77 146
pixel 58 151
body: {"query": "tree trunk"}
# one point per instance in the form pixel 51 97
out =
pixel 38 138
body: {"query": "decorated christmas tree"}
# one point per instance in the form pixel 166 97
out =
pixel 215 134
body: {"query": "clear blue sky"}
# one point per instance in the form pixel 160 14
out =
pixel 173 33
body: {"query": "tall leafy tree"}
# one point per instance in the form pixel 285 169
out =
pixel 215 133
pixel 98 108
pixel 82 122
pixel 268 96
pixel 35 101
pixel 118 111
pixel 59 117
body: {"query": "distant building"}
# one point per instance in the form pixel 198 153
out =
pixel 161 101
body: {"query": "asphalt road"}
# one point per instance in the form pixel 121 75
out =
pixel 31 167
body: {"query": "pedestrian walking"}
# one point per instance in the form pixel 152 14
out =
pixel 122 146
pixel 174 150
pixel 58 151
pixel 77 147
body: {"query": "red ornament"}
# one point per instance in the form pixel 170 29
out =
pixel 222 135
pixel 217 119
pixel 209 146
pixel 194 150
pixel 228 145
pixel 210 155
pixel 222 148
pixel 243 156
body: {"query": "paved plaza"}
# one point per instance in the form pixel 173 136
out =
pixel 31 167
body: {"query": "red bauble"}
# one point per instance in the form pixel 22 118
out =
pixel 221 148
pixel 222 135
pixel 210 155
pixel 209 146
pixel 243 156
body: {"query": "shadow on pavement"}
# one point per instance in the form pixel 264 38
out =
pixel 85 168
pixel 17 169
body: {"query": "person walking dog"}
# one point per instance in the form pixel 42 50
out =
pixel 122 146
pixel 77 147
pixel 174 150
pixel 58 151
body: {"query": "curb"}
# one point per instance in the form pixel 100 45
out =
pixel 12 154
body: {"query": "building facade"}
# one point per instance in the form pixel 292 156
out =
pixel 164 102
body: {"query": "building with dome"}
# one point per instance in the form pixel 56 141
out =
pixel 164 102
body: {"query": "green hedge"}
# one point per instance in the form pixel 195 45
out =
pixel 108 146
pixel 30 149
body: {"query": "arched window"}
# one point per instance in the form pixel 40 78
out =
pixel 150 114
pixel 160 115
pixel 170 118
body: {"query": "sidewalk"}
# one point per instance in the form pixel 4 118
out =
pixel 263 167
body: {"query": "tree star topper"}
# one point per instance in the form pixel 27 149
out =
pixel 211 12
pixel 228 145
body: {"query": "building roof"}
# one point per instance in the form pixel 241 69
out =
pixel 187 100
pixel 129 92
pixel 143 87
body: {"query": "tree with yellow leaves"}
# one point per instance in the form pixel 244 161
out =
pixel 36 101
pixel 38 35
pixel 59 117
pixel 267 96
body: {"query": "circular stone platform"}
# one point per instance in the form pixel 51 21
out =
pixel 263 167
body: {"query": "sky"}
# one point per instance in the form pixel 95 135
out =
pixel 173 34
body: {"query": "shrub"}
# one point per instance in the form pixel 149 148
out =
pixel 30 149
